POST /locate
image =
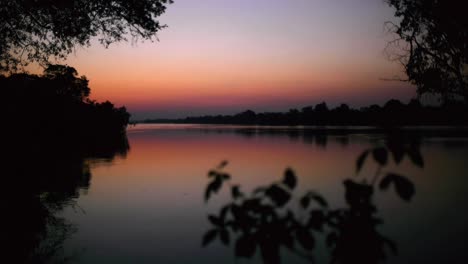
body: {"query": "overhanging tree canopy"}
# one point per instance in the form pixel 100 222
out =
pixel 37 30
pixel 432 45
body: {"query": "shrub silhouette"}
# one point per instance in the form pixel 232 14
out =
pixel 274 216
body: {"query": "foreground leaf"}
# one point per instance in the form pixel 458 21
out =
pixel 360 160
pixel 403 187
pixel 290 179
pixel 278 195
pixel 380 156
pixel 209 236
pixel 305 239
pixel 245 246
pixel 416 157
pixel 224 235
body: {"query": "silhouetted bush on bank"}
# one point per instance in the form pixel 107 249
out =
pixel 55 108
pixel 51 129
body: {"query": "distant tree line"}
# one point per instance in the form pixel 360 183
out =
pixel 54 108
pixel 393 113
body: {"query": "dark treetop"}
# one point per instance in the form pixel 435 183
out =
pixel 54 108
pixel 432 44
pixel 36 30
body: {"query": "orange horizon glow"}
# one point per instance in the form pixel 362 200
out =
pixel 220 57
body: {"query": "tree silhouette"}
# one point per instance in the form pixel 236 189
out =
pixel 431 43
pixel 36 30
pixel 393 114
pixel 67 82
pixel 55 106
pixel 273 216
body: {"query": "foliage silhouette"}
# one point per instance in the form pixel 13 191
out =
pixel 393 113
pixel 52 130
pixel 36 30
pixel 274 216
pixel 431 43
pixel 54 107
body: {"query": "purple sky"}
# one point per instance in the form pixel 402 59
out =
pixel 220 56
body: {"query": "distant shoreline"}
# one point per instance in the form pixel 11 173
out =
pixel 433 131
pixel 392 114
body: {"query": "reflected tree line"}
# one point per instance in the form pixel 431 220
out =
pixel 40 179
pixel 276 216
pixel 51 132
pixel 321 136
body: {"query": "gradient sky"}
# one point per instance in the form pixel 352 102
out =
pixel 226 56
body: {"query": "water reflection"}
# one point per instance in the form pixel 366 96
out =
pixel 40 179
pixel 148 207
pixel 272 217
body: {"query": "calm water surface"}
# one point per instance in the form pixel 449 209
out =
pixel 148 207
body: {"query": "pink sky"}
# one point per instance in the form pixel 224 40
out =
pixel 220 56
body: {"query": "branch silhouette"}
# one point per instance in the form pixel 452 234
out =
pixel 275 216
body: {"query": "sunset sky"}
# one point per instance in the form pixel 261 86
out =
pixel 226 56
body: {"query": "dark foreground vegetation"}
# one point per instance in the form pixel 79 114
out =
pixel 393 113
pixel 51 130
pixel 54 108
pixel 275 217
